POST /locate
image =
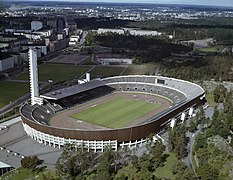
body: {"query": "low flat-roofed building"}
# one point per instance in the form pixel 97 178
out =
pixel 58 45
pixel 14 42
pixel 144 33
pixel 102 31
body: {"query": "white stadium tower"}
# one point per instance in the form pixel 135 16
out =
pixel 34 88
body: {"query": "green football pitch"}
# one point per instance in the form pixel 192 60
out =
pixel 116 113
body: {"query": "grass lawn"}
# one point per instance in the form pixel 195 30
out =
pixel 22 173
pixel 19 174
pixel 104 71
pixel 217 48
pixel 166 171
pixel 116 113
pixel 210 99
pixel 10 91
pixel 57 72
pixel 141 69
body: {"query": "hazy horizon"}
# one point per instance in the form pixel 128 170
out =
pixel 228 3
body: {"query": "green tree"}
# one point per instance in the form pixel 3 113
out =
pixel 75 161
pixel 108 162
pixel 30 162
pixel 207 172
pixel 200 141
pixel 192 126
pixel 200 116
pixel 158 149
pixel 179 168
pixel 219 93
pixel 177 141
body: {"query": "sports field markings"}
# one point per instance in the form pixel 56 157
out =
pixel 116 113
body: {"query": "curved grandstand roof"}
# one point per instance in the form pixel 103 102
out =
pixel 190 90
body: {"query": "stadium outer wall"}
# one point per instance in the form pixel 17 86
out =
pixel 97 139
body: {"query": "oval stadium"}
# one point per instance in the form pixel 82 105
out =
pixel 114 111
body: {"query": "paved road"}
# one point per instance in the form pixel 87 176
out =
pixel 15 140
pixel 188 160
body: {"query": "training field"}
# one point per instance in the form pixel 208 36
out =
pixel 116 112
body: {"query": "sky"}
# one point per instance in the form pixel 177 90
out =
pixel 193 2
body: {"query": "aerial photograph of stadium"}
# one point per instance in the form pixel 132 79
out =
pixel 116 90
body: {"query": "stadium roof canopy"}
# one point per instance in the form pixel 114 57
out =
pixel 72 90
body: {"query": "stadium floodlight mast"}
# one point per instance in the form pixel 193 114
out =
pixel 33 74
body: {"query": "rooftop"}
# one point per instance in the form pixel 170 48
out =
pixel 71 90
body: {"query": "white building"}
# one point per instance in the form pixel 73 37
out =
pixel 102 31
pixel 66 31
pixel 33 36
pixel 45 33
pixel 144 33
pixel 60 36
pixel 73 40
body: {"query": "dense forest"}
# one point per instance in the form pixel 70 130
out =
pixel 219 28
pixel 218 68
pixel 86 23
pixel 143 49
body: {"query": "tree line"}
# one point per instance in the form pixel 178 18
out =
pixel 143 49
pixel 218 68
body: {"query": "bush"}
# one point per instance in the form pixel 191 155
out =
pixel 30 162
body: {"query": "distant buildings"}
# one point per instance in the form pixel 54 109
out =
pixel 144 33
pixel 133 32
pixel 12 43
pixel 117 31
pixel 41 48
pixel 58 45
